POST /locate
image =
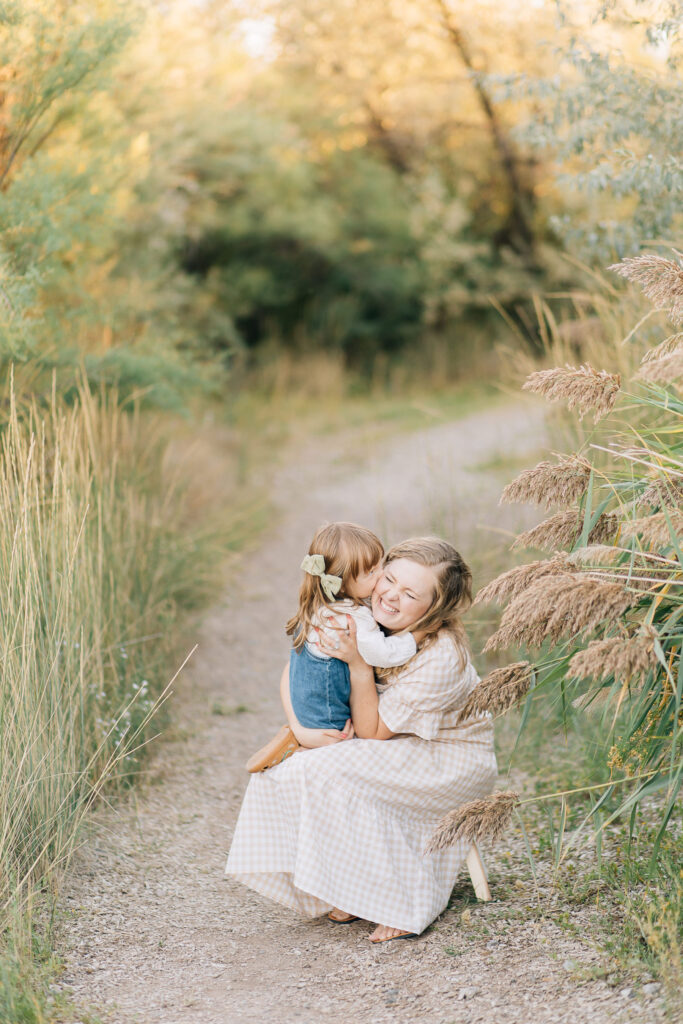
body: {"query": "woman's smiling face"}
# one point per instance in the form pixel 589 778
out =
pixel 403 593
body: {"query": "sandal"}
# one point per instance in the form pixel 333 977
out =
pixel 342 920
pixel 282 745
pixel 391 938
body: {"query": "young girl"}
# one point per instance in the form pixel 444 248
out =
pixel 341 569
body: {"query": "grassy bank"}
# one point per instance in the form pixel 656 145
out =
pixel 111 536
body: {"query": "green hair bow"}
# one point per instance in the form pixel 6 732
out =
pixel 315 565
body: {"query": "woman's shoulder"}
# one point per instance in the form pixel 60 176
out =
pixel 446 646
pixel 446 654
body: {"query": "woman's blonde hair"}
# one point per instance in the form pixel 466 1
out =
pixel 348 550
pixel 452 591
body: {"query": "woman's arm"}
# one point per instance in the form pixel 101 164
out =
pixel 364 702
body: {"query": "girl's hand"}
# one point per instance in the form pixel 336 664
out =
pixel 344 645
pixel 336 735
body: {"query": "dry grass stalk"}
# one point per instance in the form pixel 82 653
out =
pixel 584 388
pixel 654 530
pixel 562 530
pixel 643 571
pixel 619 657
pixel 550 483
pixel 672 344
pixel 666 370
pixel 560 606
pixel 499 691
pixel 511 583
pixel 667 492
pixel 479 819
pixel 660 279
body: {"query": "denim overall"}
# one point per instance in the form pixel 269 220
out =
pixel 320 690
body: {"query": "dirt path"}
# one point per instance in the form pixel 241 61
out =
pixel 151 929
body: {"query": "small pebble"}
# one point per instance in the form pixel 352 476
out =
pixel 468 993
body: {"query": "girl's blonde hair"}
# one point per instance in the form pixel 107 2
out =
pixel 348 550
pixel 452 592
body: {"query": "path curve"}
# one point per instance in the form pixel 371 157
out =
pixel 153 932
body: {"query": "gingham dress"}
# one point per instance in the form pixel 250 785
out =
pixel 345 825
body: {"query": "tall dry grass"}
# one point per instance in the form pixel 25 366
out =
pixel 599 618
pixel 94 560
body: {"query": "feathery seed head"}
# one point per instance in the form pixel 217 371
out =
pixel 550 483
pixel 654 530
pixel 562 529
pixel 583 388
pixel 594 554
pixel 660 279
pixel 619 657
pixel 672 344
pixel 668 369
pixel 511 583
pixel 499 691
pixel 667 492
pixel 479 819
pixel 560 606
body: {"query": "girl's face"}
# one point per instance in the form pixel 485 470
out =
pixel 363 585
pixel 403 593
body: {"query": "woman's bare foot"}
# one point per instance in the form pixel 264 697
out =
pixel 383 933
pixel 339 915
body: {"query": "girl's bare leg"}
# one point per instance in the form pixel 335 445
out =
pixel 308 737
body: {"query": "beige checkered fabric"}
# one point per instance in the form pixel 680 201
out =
pixel 345 825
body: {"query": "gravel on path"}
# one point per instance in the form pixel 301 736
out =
pixel 152 932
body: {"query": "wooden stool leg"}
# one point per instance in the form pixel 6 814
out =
pixel 475 866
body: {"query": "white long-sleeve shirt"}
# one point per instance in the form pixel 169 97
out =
pixel 374 647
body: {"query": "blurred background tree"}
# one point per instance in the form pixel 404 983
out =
pixel 609 117
pixel 360 189
pixel 187 189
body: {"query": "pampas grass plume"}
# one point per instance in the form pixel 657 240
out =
pixel 560 606
pixel 594 554
pixel 662 492
pixel 654 530
pixel 562 529
pixel 479 819
pixel 665 370
pixel 619 657
pixel 499 691
pixel 550 483
pixel 511 583
pixel 665 348
pixel 660 279
pixel 584 388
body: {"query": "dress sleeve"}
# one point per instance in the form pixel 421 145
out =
pixel 416 700
pixel 375 648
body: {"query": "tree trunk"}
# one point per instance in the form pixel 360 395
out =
pixel 519 229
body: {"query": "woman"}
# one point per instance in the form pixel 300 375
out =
pixel 341 829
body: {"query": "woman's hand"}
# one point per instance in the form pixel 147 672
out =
pixel 344 646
